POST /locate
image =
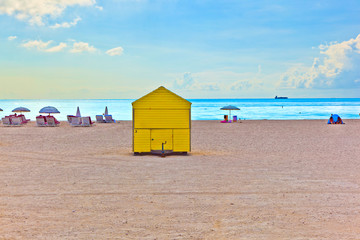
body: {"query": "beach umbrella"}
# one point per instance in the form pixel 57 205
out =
pixel 78 112
pixel 0 110
pixel 49 109
pixel 106 111
pixel 21 109
pixel 230 108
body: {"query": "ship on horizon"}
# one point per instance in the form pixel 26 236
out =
pixel 276 97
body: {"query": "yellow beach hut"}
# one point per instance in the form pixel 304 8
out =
pixel 161 123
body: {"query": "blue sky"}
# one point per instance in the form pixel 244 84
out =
pixel 199 49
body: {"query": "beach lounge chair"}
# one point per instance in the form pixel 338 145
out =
pixel 41 121
pixel 75 121
pixel 109 119
pixel 100 119
pixel 86 122
pixel 17 121
pixel 6 121
pixel 51 121
pixel 70 117
pixel 23 118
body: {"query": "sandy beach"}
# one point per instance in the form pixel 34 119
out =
pixel 297 179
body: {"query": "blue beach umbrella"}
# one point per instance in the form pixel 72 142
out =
pixel 49 109
pixel 21 109
pixel 230 108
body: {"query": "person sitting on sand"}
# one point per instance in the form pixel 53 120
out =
pixel 331 120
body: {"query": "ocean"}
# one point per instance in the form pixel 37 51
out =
pixel 203 109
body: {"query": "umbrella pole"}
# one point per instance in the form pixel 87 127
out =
pixel 229 115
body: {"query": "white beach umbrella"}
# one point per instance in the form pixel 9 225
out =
pixel 78 112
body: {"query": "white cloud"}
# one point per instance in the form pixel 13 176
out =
pixel 10 38
pixel 57 48
pixel 338 67
pixel 187 82
pixel 115 51
pixel 36 12
pixel 79 47
pixel 241 85
pixel 99 7
pixel 39 45
pixel 44 46
pixel 66 24
pixel 222 81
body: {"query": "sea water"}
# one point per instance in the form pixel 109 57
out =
pixel 202 109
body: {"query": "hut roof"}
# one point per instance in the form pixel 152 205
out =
pixel 161 98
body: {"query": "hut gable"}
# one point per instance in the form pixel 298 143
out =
pixel 161 98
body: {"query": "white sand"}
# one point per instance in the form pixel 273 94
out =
pixel 249 180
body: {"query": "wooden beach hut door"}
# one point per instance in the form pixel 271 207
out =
pixel 160 136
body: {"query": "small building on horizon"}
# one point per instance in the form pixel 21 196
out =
pixel 161 122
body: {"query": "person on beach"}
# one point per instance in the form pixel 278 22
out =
pixel 331 120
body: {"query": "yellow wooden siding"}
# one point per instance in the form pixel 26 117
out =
pixel 159 136
pixel 142 140
pixel 165 118
pixel 181 139
pixel 161 98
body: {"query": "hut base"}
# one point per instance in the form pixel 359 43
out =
pixel 160 152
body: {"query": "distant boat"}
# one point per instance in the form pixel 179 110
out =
pixel 276 97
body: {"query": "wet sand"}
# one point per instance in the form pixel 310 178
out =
pixel 248 180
